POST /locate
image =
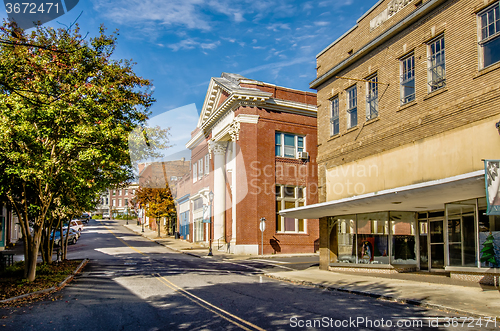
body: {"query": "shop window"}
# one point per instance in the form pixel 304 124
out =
pixel 407 86
pixel 288 145
pixel 403 238
pixel 489 225
pixel 352 107
pixel 373 238
pixel 489 43
pixel 461 235
pixel 346 228
pixel 334 120
pixel 436 73
pixel 288 197
pixel 371 97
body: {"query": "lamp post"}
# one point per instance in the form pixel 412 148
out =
pixel 127 215
pixel 210 199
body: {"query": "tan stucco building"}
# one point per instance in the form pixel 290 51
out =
pixel 408 100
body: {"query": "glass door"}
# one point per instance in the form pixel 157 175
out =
pixel 423 244
pixel 436 243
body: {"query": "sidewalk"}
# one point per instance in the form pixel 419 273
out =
pixel 427 290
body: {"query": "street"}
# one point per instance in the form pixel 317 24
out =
pixel 132 283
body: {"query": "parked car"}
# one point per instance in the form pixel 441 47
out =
pixel 85 218
pixel 76 225
pixel 71 240
pixel 105 216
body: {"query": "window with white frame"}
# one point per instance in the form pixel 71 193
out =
pixel 125 202
pixel 195 172
pixel 207 164
pixel 200 168
pixel 114 202
pixel 407 84
pixel 287 197
pixel 119 202
pixel 352 106
pixel 372 97
pixel 437 72
pixel 126 191
pixel 288 145
pixel 334 120
pixel 489 36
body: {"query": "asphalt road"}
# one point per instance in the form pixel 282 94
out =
pixel 132 283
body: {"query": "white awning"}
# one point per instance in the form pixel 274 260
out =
pixel 431 195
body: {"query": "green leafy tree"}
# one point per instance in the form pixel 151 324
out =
pixel 66 111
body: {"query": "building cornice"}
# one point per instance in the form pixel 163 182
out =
pixel 424 9
pixel 195 140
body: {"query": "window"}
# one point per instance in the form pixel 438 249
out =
pixel 119 192
pixel 133 191
pixel 489 21
pixel 200 168
pixel 195 172
pixel 114 202
pixel 114 192
pixel 335 116
pixel 207 164
pixel 352 107
pixel 198 204
pixel 107 201
pixel 126 192
pixel 408 79
pixel 372 97
pixel 437 72
pixel 288 145
pixel 125 202
pixel 119 202
pixel 289 197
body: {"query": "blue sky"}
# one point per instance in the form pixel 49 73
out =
pixel 180 44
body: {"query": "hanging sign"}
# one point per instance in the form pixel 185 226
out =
pixel 492 182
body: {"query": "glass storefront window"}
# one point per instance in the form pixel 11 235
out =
pixel 346 239
pixel 487 225
pixel 373 238
pixel 403 238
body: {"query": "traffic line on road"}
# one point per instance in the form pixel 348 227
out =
pixel 123 241
pixel 210 307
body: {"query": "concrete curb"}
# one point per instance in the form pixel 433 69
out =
pixel 53 288
pixel 384 297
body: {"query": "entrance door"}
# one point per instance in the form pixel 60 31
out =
pixel 423 244
pixel 436 243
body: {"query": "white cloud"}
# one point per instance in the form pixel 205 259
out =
pixel 190 43
pixel 276 26
pixel 321 23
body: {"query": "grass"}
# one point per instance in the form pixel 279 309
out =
pixel 13 284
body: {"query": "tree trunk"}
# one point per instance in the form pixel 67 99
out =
pixel 158 227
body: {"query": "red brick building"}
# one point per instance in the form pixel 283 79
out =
pixel 255 149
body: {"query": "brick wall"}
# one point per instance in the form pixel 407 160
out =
pixel 471 94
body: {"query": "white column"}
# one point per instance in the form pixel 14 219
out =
pixel 219 151
pixel 233 196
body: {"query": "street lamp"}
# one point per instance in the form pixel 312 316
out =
pixel 127 215
pixel 210 199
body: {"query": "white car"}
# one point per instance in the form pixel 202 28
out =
pixel 76 225
pixel 105 216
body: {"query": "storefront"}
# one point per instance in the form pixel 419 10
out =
pixel 427 227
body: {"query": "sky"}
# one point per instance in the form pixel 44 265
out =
pixel 181 44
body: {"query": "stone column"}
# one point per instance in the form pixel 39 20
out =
pixel 219 154
pixel 233 195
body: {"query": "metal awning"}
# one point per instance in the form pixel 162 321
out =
pixel 431 195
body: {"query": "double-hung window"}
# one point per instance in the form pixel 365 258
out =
pixel 437 72
pixel 200 168
pixel 489 20
pixel 289 197
pixel 334 120
pixel 352 107
pixel 288 145
pixel 408 79
pixel 371 97
pixel 195 172
pixel 207 164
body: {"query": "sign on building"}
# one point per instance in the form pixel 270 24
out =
pixel 492 182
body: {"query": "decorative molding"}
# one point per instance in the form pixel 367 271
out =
pixel 217 147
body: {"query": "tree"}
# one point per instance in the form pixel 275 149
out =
pixel 157 202
pixel 66 111
pixel 489 250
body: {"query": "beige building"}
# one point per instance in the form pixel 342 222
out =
pixel 408 100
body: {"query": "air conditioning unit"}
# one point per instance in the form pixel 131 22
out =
pixel 303 155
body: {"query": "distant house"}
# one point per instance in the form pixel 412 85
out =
pixel 254 151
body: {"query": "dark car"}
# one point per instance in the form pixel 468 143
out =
pixel 85 218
